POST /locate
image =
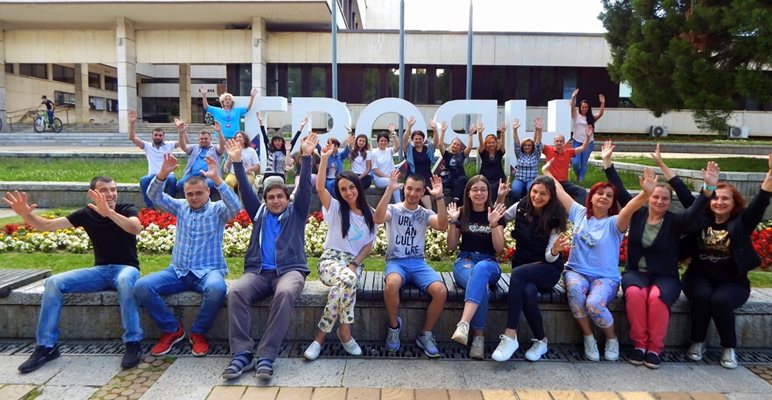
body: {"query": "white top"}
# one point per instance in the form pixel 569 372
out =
pixel 155 155
pixel 359 164
pixel 248 157
pixel 580 128
pixel 383 160
pixel 407 231
pixel 358 234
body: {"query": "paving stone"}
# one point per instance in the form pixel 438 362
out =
pixel 498 394
pixel 636 396
pixel 226 393
pixel 188 378
pixel 9 370
pixel 508 375
pixel 525 394
pixel 707 396
pixel 338 393
pixel 260 393
pixel 672 396
pixel 747 396
pixel 93 370
pixel 629 378
pixel 396 394
pixel 14 392
pixel 363 394
pixel 601 396
pixel 418 374
pixel 431 394
pixel 294 393
pixel 567 395
pixel 722 380
pixel 464 394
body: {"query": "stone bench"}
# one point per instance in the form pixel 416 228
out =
pixel 96 316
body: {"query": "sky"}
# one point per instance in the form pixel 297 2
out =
pixel 577 16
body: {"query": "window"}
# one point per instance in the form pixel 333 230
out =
pixel 318 81
pixel 394 82
pixel 294 82
pixel 34 70
pixel 419 92
pixel 245 79
pixel 64 98
pixel 8 68
pixel 522 81
pixel 111 83
pixel 94 81
pixel 272 80
pixel 112 105
pixel 63 74
pixel 569 83
pixel 371 84
pixel 442 86
pixel 97 103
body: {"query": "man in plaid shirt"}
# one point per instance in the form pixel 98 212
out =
pixel 197 263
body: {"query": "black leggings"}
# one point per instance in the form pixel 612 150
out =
pixel 457 185
pixel 524 285
pixel 716 300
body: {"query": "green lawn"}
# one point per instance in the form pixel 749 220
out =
pixel 727 164
pixel 72 169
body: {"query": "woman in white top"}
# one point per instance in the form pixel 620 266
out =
pixel 383 160
pixel 361 160
pixel 248 157
pixel 350 236
pixel 582 117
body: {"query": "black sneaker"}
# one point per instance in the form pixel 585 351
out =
pixel 636 357
pixel 652 360
pixel 40 356
pixel 133 355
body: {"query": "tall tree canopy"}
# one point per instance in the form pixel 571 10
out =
pixel 695 54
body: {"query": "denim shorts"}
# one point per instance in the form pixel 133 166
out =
pixel 414 271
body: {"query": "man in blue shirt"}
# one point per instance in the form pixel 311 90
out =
pixel 275 264
pixel 198 153
pixel 197 262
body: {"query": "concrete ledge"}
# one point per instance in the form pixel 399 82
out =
pixel 96 316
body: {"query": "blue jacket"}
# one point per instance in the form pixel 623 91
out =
pixel 429 153
pixel 290 242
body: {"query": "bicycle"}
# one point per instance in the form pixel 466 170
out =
pixel 41 123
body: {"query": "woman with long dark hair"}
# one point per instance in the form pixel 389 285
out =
pixel 540 220
pixel 716 281
pixel 350 235
pixel 477 230
pixel 361 160
pixel 582 118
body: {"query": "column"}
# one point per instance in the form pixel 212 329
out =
pixel 185 108
pixel 81 111
pixel 126 47
pixel 259 37
pixel 2 82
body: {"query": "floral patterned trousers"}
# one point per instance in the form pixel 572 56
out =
pixel 334 272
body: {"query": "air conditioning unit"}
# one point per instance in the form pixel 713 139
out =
pixel 658 131
pixel 737 132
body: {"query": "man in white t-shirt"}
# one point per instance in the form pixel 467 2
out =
pixel 154 152
pixel 406 223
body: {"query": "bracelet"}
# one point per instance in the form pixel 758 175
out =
pixel 708 187
pixel 440 197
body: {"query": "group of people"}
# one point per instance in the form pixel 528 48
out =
pixel 714 231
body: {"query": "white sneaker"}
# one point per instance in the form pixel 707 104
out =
pixel 477 351
pixel 507 346
pixel 312 351
pixel 591 348
pixel 611 352
pixel 728 358
pixel 461 335
pixel 696 350
pixel 538 349
pixel 351 347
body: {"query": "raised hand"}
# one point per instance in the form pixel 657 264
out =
pixel 327 151
pixel 350 140
pixel 392 128
pixel 212 171
pixel 453 212
pixel 303 123
pixel 216 126
pixel 234 148
pixel 656 155
pixel 169 165
pixel 100 203
pixel 503 188
pixel 480 127
pixel 309 143
pixel 444 126
pixel 436 189
pixel 607 151
pixel 648 181
pixel 288 146
pixel 180 124
pixel 202 90
pixel 433 125
pixel 515 124
pixel 394 180
pixel 538 123
pixel 575 93
pixel 253 92
pixel 711 172
pixel 503 127
pixel 602 99
pixel 260 117
pixel 495 214
pixel 132 117
pixel 18 203
pixel 562 243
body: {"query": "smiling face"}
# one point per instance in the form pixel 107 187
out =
pixel 227 102
pixel 583 108
pixel 527 147
pixel 490 144
pixel 455 146
pixel 276 200
pixel 109 190
pixel 204 139
pixel 559 142
pixel 414 190
pixel 242 138
pixel 361 142
pixel 602 200
pixel 659 201
pixel 348 192
pixel 418 141
pixel 383 142
pixel 478 195
pixel 540 195
pixel 722 203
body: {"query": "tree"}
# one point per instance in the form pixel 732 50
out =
pixel 701 55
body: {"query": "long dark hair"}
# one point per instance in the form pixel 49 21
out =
pixel 589 117
pixel 357 152
pixel 466 212
pixel 345 209
pixel 553 215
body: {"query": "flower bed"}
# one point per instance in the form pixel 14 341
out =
pixel 157 237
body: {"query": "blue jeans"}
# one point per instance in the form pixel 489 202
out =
pixel 150 288
pixel 580 160
pixel 520 188
pixel 94 279
pixel 475 272
pixel 170 188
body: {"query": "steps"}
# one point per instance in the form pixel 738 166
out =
pixel 102 135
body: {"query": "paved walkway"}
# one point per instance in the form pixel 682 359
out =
pixel 190 378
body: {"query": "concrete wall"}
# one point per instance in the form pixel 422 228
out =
pixel 60 46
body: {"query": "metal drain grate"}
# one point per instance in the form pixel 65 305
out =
pixel 377 350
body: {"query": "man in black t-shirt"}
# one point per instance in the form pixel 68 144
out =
pixel 50 107
pixel 112 228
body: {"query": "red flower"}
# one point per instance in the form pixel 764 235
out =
pixel 242 218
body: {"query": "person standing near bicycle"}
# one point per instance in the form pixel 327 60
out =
pixel 50 107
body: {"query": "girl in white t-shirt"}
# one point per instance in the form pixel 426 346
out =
pixel 383 160
pixel 350 236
